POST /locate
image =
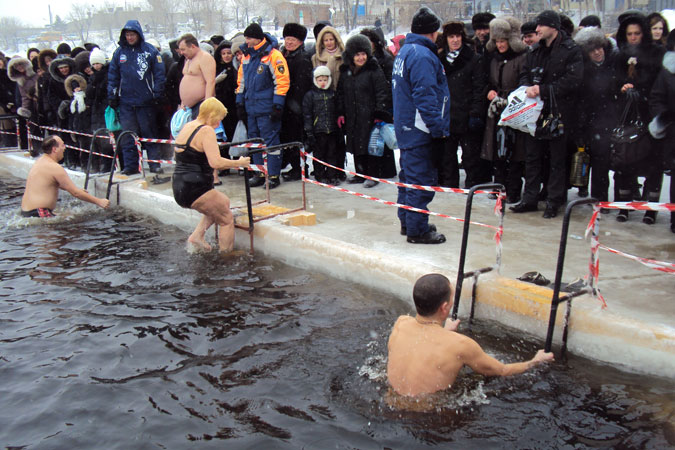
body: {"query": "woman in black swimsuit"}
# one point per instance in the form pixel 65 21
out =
pixel 197 154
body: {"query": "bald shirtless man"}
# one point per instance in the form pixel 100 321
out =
pixel 425 352
pixel 44 180
pixel 199 74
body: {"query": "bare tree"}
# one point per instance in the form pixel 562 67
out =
pixel 244 9
pixel 81 17
pixel 9 30
pixel 163 13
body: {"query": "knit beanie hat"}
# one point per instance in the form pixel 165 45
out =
pixel 96 57
pixel 548 18
pixel 254 31
pixel 425 21
pixel 481 20
pixel 322 71
pixel 295 30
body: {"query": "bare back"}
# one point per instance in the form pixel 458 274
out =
pixel 198 81
pixel 42 184
pixel 423 358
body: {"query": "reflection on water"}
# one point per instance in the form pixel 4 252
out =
pixel 112 336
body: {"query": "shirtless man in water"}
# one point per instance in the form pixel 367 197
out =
pixel 199 74
pixel 425 355
pixel 44 180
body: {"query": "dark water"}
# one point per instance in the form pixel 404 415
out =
pixel 113 336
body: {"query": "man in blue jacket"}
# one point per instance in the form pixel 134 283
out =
pixel 135 86
pixel 422 122
pixel 263 81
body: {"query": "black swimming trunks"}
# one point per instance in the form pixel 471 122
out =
pixel 193 177
pixel 38 212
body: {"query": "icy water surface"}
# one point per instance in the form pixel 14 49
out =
pixel 113 336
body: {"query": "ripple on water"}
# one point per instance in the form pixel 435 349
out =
pixel 112 336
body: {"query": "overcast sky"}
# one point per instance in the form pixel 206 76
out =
pixel 36 12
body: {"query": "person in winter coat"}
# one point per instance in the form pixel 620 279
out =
pixel 480 22
pixel 45 114
pixel 637 66
pixel 556 65
pixel 262 84
pixel 380 52
pixel 20 71
pixel 363 96
pixel 59 103
pixel 7 105
pixel 300 71
pixel 136 78
pixel 422 122
pixel 504 147
pixel 329 50
pixel 662 107
pixel 319 110
pixel 464 71
pixel 226 85
pixel 598 105
pixel 80 117
pixel 658 28
pixel 96 99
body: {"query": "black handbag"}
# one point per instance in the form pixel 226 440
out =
pixel 551 126
pixel 630 143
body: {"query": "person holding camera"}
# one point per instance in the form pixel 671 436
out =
pixel 554 67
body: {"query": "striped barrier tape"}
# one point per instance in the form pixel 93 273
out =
pixel 639 206
pixel 38 138
pixel 396 183
pixel 398 205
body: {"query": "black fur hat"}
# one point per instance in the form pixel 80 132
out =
pixel 481 20
pixel 295 30
pixel 320 25
pixel 63 49
pixel 216 39
pixel 355 44
pixel 590 21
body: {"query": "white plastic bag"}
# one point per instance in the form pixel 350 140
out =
pixel 240 134
pixel 521 112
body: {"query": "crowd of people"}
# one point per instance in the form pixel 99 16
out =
pixel 331 96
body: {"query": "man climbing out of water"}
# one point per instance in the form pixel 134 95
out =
pixel 44 180
pixel 425 355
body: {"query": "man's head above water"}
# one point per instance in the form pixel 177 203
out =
pixel 431 292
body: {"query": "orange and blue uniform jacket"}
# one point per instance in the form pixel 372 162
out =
pixel 263 78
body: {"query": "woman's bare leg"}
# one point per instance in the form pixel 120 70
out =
pixel 197 236
pixel 226 237
pixel 216 207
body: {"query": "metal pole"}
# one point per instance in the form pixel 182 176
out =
pixel 249 207
pixel 559 268
pixel 465 239
pixel 92 146
pixel 112 167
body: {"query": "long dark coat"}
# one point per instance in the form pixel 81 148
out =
pixel 466 81
pixel 362 97
pixel 598 106
pixel 503 78
pixel 97 97
pixel 225 93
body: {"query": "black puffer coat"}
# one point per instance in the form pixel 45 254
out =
pixel 467 82
pixel 319 111
pixel 362 97
pixel 97 97
pixel 45 114
pixel 662 102
pixel 563 65
pixel 300 71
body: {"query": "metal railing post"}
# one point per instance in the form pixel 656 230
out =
pixel 555 300
pixel 465 240
pixel 117 149
pixel 92 146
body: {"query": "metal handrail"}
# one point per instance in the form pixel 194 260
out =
pixel 556 299
pixel 462 252
pixel 92 146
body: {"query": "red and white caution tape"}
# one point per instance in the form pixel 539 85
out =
pixel 639 206
pixel 396 183
pixel 594 262
pixel 398 205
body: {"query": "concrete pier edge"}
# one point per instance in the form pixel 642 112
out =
pixel 603 335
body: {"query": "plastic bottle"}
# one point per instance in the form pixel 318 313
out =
pixel 581 168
